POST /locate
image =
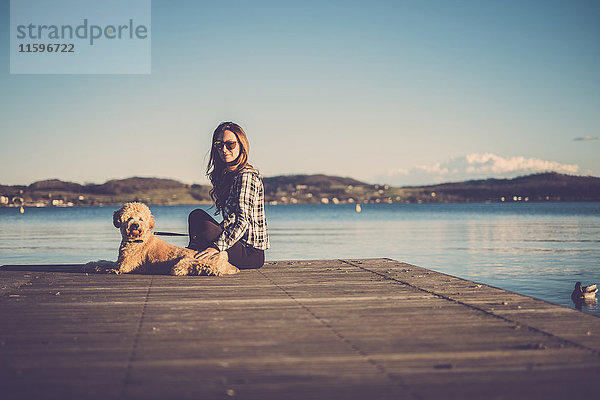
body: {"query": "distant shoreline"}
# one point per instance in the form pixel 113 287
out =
pixel 306 189
pixel 26 207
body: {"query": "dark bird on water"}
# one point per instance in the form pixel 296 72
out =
pixel 584 292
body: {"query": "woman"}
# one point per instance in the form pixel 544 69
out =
pixel 238 194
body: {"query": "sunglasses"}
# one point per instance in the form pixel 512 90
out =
pixel 230 144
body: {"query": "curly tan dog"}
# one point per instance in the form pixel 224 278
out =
pixel 142 252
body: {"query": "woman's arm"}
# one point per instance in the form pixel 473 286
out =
pixel 247 187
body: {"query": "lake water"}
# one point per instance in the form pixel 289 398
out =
pixel 537 249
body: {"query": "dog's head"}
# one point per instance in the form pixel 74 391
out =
pixel 134 220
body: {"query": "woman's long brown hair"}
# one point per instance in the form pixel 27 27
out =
pixel 221 173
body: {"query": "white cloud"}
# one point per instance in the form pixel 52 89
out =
pixel 474 166
pixel 587 138
pixel 433 169
pixel 493 164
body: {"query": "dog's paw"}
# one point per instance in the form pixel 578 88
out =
pixel 99 267
pixel 180 269
pixel 203 269
pixel 232 270
pixel 221 266
pixel 224 268
pixel 214 271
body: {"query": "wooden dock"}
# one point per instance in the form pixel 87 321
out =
pixel 323 329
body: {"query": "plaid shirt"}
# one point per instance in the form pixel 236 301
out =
pixel 244 213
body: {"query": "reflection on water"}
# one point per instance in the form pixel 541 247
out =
pixel 586 304
pixel 538 249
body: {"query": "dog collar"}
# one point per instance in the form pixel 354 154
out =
pixel 135 241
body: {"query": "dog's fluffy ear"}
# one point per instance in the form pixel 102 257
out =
pixel 117 218
pixel 151 225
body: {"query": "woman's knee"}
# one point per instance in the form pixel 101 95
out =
pixel 198 215
pixel 202 228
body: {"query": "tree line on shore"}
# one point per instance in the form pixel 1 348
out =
pixel 303 189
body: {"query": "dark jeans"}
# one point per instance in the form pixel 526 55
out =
pixel 204 230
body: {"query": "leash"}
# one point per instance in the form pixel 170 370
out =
pixel 170 234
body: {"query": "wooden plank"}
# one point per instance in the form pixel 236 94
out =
pixel 352 329
pixel 525 311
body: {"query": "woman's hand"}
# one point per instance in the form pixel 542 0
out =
pixel 209 252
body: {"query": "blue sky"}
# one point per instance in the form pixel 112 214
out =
pixel 397 92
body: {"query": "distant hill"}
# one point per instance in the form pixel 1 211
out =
pixel 292 189
pixel 150 190
pixel 317 189
pixel 134 185
pixel 548 186
pixel 323 181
